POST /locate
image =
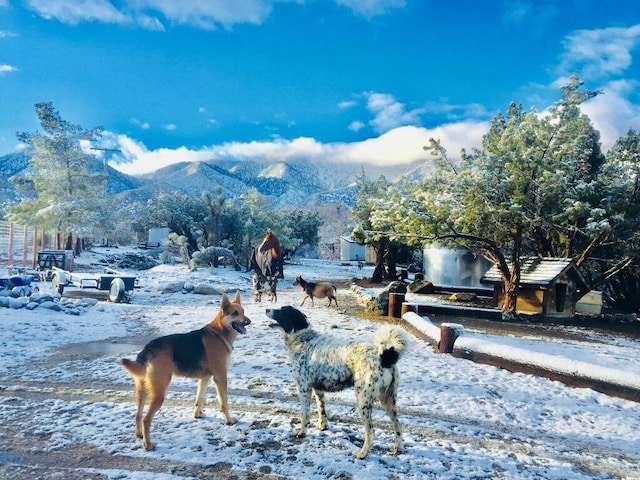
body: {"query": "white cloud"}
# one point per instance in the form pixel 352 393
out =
pixel 135 158
pixel 403 145
pixel 398 146
pixel 148 23
pixel 612 112
pixel 347 104
pixel 600 53
pixel 517 12
pixel 148 13
pixel 389 113
pixel 77 11
pixel 356 126
pixel 140 124
pixel 208 15
pixel 371 8
pixel 171 127
pixel 4 68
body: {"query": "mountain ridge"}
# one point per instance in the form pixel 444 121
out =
pixel 295 182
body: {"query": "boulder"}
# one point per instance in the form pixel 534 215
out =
pixel 173 287
pixel 55 306
pixel 205 289
pixel 421 286
pixel 381 301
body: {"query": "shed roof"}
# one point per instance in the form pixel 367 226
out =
pixel 536 271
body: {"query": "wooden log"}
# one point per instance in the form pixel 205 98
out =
pixel 395 304
pixel 449 333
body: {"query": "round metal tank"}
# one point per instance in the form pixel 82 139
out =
pixel 456 267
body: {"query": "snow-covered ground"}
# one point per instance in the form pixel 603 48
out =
pixel 60 383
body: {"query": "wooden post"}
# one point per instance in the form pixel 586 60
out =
pixel 395 304
pixel 406 307
pixel 34 248
pixel 25 245
pixel 10 250
pixel 449 332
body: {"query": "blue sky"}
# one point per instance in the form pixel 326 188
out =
pixel 346 80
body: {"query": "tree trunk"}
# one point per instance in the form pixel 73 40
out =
pixel 390 260
pixel 510 297
pixel 378 271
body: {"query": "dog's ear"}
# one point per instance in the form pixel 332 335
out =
pixel 224 303
pixel 296 318
pixel 237 298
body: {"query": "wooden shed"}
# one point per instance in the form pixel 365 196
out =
pixel 548 286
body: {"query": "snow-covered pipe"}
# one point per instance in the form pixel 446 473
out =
pixel 607 380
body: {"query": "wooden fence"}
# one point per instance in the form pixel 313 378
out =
pixel 20 244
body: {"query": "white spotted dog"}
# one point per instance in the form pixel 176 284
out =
pixel 322 363
pixel 268 286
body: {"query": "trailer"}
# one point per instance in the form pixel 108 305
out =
pixel 120 285
pixel 48 259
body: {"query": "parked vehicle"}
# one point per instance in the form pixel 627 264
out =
pixel 120 285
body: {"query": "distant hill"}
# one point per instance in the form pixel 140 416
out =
pixel 300 183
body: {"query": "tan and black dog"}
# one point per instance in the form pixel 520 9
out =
pixel 200 354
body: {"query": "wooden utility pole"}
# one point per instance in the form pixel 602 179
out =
pixel 104 160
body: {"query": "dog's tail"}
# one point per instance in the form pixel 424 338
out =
pixel 391 343
pixel 135 368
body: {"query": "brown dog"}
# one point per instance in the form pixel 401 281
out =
pixel 200 354
pixel 317 290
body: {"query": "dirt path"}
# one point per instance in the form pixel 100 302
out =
pixel 24 453
pixel 28 455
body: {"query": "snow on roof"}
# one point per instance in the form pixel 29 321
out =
pixel 537 271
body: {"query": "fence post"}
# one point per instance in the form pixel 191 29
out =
pixel 10 250
pixel 25 241
pixel 34 248
pixel 395 304
pixel 407 307
pixel 449 333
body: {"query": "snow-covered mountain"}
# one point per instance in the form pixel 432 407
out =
pixel 297 182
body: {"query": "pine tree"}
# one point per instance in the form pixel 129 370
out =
pixel 69 193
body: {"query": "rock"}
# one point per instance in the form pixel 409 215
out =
pixel 381 301
pixel 41 297
pixel 89 302
pixel 205 289
pixel 55 306
pixel 173 287
pixel 17 303
pixel 420 286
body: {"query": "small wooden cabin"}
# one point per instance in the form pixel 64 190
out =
pixel 548 286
